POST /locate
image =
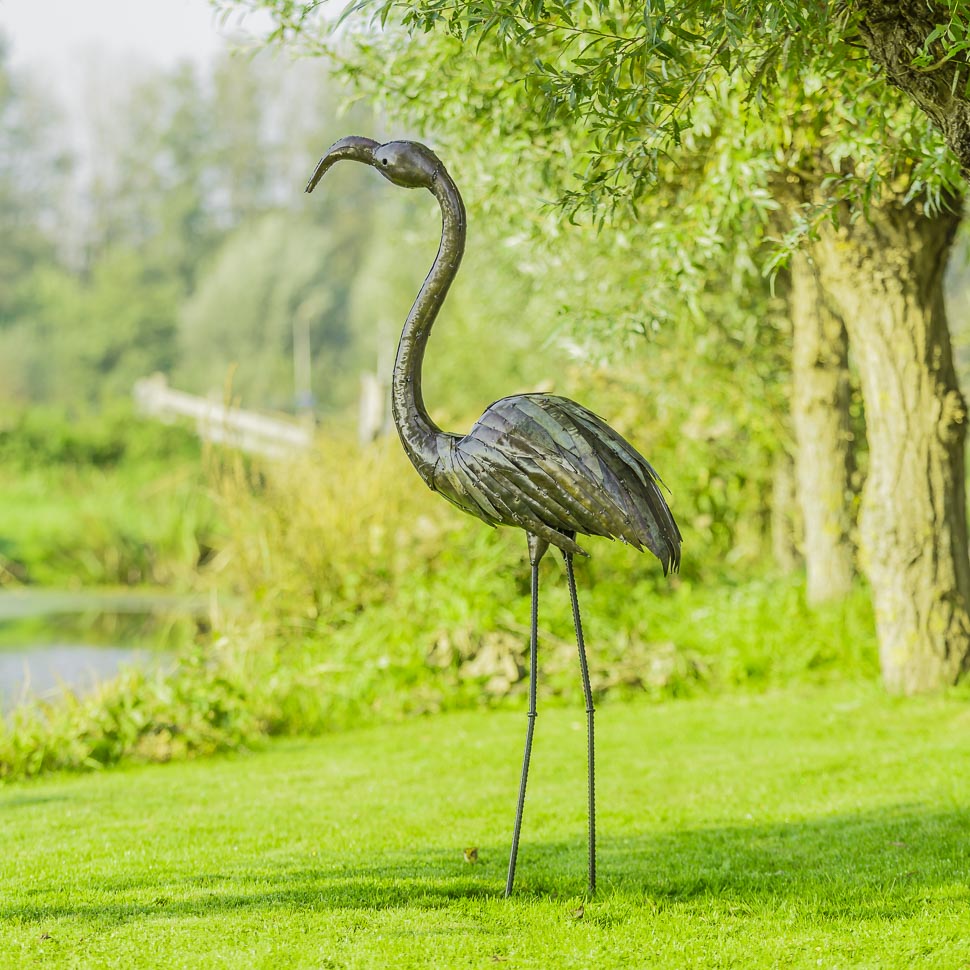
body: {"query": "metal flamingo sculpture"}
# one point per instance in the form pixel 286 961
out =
pixel 536 461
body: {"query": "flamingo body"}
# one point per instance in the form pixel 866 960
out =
pixel 549 466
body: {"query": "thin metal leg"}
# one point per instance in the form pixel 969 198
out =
pixel 536 550
pixel 590 743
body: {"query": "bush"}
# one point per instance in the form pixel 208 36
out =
pixel 102 500
pixel 37 437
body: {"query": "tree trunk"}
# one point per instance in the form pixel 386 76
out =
pixel 820 416
pixel 894 32
pixel 784 515
pixel 886 275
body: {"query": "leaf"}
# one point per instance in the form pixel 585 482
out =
pixel 356 6
pixel 685 34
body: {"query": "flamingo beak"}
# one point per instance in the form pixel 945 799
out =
pixel 353 146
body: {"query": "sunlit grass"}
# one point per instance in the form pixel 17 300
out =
pixel 800 828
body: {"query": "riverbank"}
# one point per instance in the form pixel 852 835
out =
pixel 57 641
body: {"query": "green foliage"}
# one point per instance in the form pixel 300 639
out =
pixel 40 437
pixel 455 641
pixel 947 41
pixel 32 163
pixel 688 125
pixel 139 715
pixel 186 204
pixel 784 830
pixel 86 342
pixel 107 500
pixel 601 97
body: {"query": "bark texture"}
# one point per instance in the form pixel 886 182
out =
pixel 820 416
pixel 895 32
pixel 785 518
pixel 886 275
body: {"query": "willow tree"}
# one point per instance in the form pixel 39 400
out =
pixel 609 94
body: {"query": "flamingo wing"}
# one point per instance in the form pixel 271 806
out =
pixel 552 467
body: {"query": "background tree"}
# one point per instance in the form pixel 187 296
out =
pixel 240 321
pixel 824 460
pixel 33 168
pixel 914 525
pixel 104 263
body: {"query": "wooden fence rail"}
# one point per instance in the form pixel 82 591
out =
pixel 272 437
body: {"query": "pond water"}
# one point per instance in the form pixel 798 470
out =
pixel 53 640
pixel 45 670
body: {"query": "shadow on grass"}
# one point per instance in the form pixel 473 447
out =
pixel 12 802
pixel 876 865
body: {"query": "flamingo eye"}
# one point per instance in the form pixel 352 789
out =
pixel 384 162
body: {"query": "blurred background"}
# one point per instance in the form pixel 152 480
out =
pixel 203 517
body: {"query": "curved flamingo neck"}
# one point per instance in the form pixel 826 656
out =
pixel 419 434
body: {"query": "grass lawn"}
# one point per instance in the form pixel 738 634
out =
pixel 805 828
